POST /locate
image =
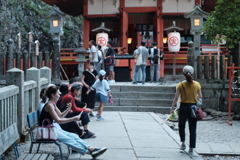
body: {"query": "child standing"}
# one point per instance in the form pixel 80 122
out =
pixel 102 91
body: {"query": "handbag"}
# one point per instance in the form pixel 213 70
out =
pixel 139 60
pixel 47 132
pixel 199 114
pixel 108 61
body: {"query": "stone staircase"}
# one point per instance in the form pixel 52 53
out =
pixel 142 98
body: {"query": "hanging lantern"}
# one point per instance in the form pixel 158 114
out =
pixel 102 39
pixel 174 41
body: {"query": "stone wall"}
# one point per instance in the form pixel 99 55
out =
pixel 24 16
pixel 215 96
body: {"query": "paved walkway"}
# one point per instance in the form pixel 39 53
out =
pixel 134 136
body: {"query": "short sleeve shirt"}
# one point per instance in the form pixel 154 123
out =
pixel 144 53
pixel 190 96
pixel 110 52
pixel 93 49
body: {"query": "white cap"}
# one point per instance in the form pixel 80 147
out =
pixel 188 69
pixel 102 72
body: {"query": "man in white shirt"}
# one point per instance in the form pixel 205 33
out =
pixel 93 53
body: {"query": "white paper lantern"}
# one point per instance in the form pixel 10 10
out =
pixel 174 41
pixel 102 39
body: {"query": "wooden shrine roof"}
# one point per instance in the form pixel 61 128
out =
pixel 75 7
pixel 70 7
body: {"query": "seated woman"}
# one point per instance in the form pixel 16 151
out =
pixel 51 112
pixel 66 98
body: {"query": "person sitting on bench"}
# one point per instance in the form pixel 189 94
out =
pixel 56 117
pixel 70 97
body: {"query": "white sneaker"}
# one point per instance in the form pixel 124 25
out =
pixel 192 154
pixel 111 81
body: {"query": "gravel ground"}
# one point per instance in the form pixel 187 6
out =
pixel 215 130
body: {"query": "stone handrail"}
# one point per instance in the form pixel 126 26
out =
pixel 20 97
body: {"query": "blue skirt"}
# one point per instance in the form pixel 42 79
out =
pixel 101 98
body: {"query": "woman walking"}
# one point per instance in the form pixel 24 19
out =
pixel 188 90
pixel 102 89
pixel 55 116
pixel 88 78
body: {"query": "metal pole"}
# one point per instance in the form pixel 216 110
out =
pixel 174 65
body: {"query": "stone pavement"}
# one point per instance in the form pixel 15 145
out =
pixel 134 136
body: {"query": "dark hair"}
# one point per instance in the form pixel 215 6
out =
pixel 143 43
pixel 75 86
pixel 63 88
pixel 109 42
pixel 43 95
pixel 101 77
pixel 51 90
pixel 72 80
pixel 99 46
pixel 93 42
pixel 154 44
pixel 91 63
pixel 188 77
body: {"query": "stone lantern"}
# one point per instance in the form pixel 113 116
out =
pixel 81 57
pixel 196 16
pixel 56 30
pixel 56 21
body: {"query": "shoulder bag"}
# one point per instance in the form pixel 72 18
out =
pixel 47 132
pixel 199 113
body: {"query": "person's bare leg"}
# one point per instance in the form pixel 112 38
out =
pixel 111 75
pixel 100 109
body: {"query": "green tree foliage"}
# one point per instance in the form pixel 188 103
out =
pixel 224 20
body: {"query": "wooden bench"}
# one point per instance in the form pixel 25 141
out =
pixel 9 137
pixel 32 119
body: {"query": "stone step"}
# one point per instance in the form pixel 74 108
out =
pixel 155 109
pixel 143 95
pixel 141 88
pixel 139 102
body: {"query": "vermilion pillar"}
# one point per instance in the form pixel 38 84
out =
pixel 124 29
pixel 86 33
pixel 159 29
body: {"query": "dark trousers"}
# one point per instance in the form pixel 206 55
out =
pixel 184 115
pixel 72 127
pixel 84 117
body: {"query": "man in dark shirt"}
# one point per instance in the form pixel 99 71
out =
pixel 109 67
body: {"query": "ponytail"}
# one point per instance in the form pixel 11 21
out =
pixel 101 77
pixel 188 77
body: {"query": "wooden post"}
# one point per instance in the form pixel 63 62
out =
pixel 206 67
pixel 39 60
pixel 124 29
pixel 86 27
pixel 10 54
pixel 18 59
pixel 214 69
pixel 47 58
pixel 230 60
pixel 199 67
pixel 222 66
pixel 33 59
pixel 25 62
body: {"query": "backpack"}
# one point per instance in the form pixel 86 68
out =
pixel 155 58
